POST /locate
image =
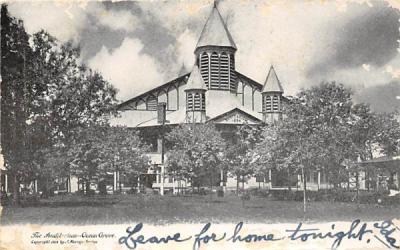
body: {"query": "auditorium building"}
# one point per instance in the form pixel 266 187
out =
pixel 213 91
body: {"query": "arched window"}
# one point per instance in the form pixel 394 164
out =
pixel 189 105
pixel 214 81
pixel 204 68
pixel 224 71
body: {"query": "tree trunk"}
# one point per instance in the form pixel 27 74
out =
pixel 357 189
pixel 237 184
pixel 15 190
pixel 304 193
pixel 119 182
pixel 211 185
pixel 87 187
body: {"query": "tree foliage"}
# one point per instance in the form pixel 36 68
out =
pixel 47 96
pixel 99 151
pixel 197 151
pixel 238 153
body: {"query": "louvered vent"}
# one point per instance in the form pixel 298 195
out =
pixel 204 68
pixel 267 103
pixel 275 103
pixel 214 71
pixel 203 102
pixel 189 99
pixel 197 101
pixel 224 71
pixel 232 82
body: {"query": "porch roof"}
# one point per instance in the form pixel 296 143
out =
pixel 392 162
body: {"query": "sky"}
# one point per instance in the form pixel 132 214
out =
pixel 138 45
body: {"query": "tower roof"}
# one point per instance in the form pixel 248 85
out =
pixel 195 80
pixel 272 83
pixel 215 32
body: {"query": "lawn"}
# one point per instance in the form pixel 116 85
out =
pixel 116 209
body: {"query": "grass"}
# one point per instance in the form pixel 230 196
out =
pixel 117 209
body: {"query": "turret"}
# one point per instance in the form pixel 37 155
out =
pixel 215 54
pixel 195 97
pixel 272 97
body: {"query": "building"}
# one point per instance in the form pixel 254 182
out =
pixel 214 91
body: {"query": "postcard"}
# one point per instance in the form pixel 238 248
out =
pixel 199 124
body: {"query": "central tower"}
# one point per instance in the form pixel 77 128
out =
pixel 215 54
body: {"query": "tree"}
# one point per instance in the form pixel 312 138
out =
pixel 238 154
pixel 15 48
pixel 47 96
pixel 314 134
pixel 196 152
pixel 102 149
pixel 122 150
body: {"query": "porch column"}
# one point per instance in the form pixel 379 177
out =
pixel 69 184
pixel 222 180
pixel 270 178
pixel 162 180
pixel 36 189
pixel 118 183
pixel 115 181
pixel 173 185
pixel 319 179
pixel 138 184
pixel 6 182
pixel 157 176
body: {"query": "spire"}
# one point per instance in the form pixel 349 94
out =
pixel 215 32
pixel 183 70
pixel 272 83
pixel 195 80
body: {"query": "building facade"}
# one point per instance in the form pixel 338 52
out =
pixel 213 91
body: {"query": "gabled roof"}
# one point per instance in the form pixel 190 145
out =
pixel 272 83
pixel 248 80
pixel 215 32
pixel 195 80
pixel 254 117
pixel 149 92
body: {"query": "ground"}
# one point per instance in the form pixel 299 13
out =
pixel 116 209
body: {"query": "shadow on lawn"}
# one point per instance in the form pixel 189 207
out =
pixel 74 201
